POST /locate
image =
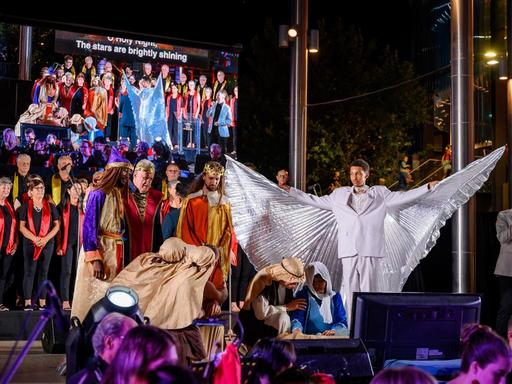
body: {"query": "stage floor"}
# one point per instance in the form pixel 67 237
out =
pixel 38 366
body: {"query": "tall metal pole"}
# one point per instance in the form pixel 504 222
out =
pixel 25 52
pixel 463 231
pixel 298 96
pixel 509 97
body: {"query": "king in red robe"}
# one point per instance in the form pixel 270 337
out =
pixel 142 213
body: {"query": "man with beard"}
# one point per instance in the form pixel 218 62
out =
pixel 102 256
pixel 141 209
pixel 206 219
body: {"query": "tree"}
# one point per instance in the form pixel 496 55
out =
pixel 375 127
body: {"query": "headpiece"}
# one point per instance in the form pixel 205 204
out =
pixel 145 166
pixel 213 168
pixel 123 141
pixel 117 161
pixel 52 70
pixel 77 119
pixel 90 123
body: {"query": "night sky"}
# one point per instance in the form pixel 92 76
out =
pixel 234 22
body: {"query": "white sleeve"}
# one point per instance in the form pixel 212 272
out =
pixel 262 309
pixel 322 202
pixel 503 229
pixel 399 198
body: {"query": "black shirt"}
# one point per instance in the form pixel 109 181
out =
pixel 73 222
pixel 218 108
pixel 36 216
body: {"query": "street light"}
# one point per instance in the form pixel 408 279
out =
pixel 298 34
pixel 283 36
pixel 502 73
pixel 293 32
pixel 314 41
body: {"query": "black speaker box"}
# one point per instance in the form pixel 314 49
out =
pixel 342 358
pixel 53 338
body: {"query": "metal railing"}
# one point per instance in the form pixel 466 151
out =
pixel 422 165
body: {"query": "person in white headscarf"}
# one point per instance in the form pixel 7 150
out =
pixel 324 313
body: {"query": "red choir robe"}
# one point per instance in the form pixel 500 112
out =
pixel 66 97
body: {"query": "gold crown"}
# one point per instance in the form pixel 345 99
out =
pixel 146 166
pixel 214 169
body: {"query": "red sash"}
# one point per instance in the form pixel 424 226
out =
pixel 10 244
pixel 164 209
pixel 178 111
pixel 141 232
pixel 233 107
pixel 12 159
pixel 196 105
pixel 205 106
pixel 65 224
pixel 46 217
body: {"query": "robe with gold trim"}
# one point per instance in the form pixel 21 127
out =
pixel 142 215
pixel 102 240
pixel 205 220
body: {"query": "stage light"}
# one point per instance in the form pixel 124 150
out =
pixel 314 40
pixel 503 73
pixel 490 54
pixel 117 299
pixel 492 62
pixel 122 297
pixel 79 348
pixel 293 32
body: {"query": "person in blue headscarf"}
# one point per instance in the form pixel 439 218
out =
pixel 324 313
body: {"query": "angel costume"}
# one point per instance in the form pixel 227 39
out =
pixel 148 106
pixel 271 224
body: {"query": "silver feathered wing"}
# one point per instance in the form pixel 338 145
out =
pixel 270 224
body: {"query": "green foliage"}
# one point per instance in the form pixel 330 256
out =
pixel 42 47
pixel 375 127
pixel 9 37
pixel 43 50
